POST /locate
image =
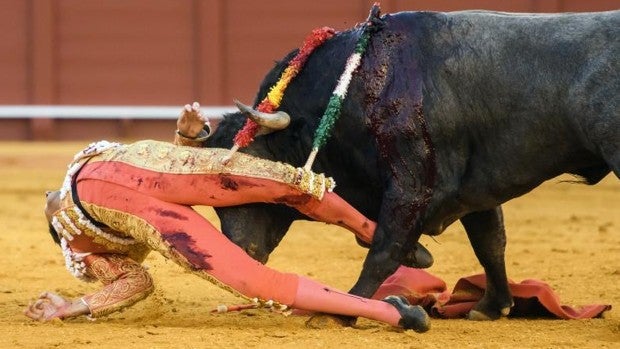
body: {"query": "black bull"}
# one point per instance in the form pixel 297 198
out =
pixel 449 116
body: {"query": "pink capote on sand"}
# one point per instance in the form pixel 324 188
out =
pixel 532 298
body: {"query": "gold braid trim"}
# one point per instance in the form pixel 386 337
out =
pixel 145 233
pixel 136 251
pixel 168 158
pixel 127 282
pixel 70 221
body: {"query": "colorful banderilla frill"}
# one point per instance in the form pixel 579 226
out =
pixel 272 101
pixel 334 106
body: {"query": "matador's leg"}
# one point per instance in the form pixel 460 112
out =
pixel 190 182
pixel 217 190
pixel 184 236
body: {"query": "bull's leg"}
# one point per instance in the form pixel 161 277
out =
pixel 395 240
pixel 335 210
pixel 487 236
pixel 378 265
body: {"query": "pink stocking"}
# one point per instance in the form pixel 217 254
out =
pixel 317 297
pixel 335 210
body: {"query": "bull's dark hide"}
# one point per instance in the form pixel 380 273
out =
pixel 449 116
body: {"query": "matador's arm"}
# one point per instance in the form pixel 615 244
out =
pixel 126 282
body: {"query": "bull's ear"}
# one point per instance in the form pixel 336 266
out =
pixel 270 121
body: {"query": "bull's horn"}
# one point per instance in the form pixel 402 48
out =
pixel 274 121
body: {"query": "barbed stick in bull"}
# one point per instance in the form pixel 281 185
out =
pixel 334 106
pixel 271 102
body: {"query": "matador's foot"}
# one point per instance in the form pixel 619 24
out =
pixel 413 317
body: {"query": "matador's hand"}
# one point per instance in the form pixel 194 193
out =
pixel 49 306
pixel 191 121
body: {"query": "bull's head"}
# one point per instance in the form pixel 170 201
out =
pixel 257 228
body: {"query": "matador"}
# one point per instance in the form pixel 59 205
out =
pixel 119 202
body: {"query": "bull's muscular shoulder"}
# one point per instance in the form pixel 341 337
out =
pixel 471 67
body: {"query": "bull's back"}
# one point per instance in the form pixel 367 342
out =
pixel 515 99
pixel 542 62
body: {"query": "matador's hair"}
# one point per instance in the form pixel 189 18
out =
pixel 54 234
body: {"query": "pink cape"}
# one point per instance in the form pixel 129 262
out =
pixel 532 298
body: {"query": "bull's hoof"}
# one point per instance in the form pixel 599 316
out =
pixel 413 317
pixel 322 321
pixel 420 257
pixel 477 315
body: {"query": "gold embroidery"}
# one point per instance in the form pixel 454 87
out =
pixel 169 158
pixel 148 235
pixel 127 282
pixel 118 221
pixel 76 223
pixel 109 238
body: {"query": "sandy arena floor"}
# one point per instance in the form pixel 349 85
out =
pixel 565 234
